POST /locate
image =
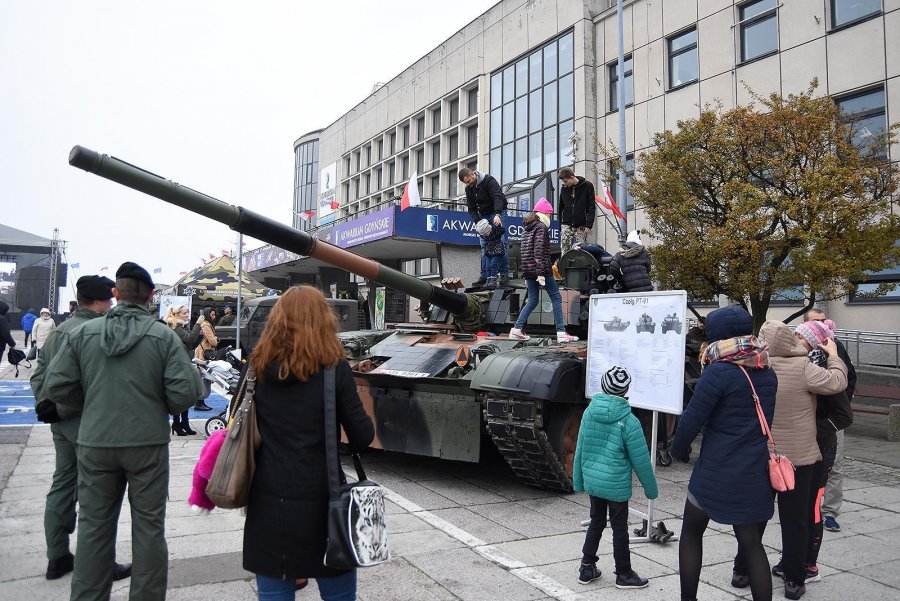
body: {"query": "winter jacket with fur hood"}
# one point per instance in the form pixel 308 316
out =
pixel 633 263
pixel 799 381
pixel 41 329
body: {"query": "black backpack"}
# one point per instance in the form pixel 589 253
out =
pixel 15 357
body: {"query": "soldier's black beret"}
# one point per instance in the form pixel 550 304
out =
pixel 95 287
pixel 135 272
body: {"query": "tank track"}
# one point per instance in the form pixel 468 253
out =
pixel 516 426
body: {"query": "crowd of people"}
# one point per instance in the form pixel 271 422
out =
pixel 109 378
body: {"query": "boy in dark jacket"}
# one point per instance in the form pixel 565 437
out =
pixel 610 446
pixel 632 264
pixel 576 209
pixel 28 324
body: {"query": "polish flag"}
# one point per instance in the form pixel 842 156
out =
pixel 609 203
pixel 335 204
pixel 212 256
pixel 410 193
pixel 307 215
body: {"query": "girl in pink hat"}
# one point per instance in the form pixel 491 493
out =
pixel 537 270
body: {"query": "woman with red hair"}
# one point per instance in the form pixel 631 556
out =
pixel 285 530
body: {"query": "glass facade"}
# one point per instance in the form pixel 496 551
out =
pixel 684 67
pixel 850 11
pixel 532 110
pixel 306 182
pixel 865 113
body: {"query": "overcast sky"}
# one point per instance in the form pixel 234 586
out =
pixel 211 94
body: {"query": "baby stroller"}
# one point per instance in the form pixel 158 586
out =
pixel 221 376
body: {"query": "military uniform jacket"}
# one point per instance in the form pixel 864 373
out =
pixel 125 373
pixel 68 427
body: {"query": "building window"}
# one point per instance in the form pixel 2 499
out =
pixel 368 183
pixel 472 137
pixel 453 144
pixel 404 168
pixel 420 129
pixel 454 111
pixel 392 143
pixel 358 160
pixel 614 84
pixel 356 188
pixel 435 187
pixel 306 181
pixel 844 12
pixel 473 101
pixel 629 175
pixel 758 29
pixel 390 170
pixel 420 160
pixel 864 292
pixel 436 120
pixel 531 99
pixel 347 165
pixel 684 67
pixel 380 149
pixel 378 179
pixel 865 114
pixel 452 188
pixel 405 137
pixel 435 155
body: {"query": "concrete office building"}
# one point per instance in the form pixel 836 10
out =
pixel 530 86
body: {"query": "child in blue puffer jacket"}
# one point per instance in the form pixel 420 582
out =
pixel 610 445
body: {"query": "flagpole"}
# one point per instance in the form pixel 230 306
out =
pixel 620 101
pixel 240 285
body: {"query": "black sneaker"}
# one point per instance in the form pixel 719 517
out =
pixel 792 590
pixel 201 406
pixel 503 281
pixel 630 579
pixel 57 568
pixel 812 573
pixel 740 580
pixel 588 573
pixel 479 283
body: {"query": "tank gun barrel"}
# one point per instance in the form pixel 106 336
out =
pixel 261 227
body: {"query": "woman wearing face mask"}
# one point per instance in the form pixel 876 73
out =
pixel 536 267
pixel 178 318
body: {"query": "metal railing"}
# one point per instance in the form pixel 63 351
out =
pixel 871 348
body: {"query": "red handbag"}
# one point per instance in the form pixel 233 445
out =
pixel 781 470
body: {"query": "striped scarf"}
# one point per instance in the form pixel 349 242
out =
pixel 743 350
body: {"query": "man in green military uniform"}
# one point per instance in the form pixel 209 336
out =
pixel 134 373
pixel 94 296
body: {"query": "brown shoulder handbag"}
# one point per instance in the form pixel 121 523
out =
pixel 229 483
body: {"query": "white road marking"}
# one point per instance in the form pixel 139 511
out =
pixel 515 567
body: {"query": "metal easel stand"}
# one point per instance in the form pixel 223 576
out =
pixel 659 533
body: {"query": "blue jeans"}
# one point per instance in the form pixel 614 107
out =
pixel 534 296
pixel 337 588
pixel 504 260
pixel 493 265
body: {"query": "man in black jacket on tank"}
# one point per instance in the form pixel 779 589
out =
pixel 485 200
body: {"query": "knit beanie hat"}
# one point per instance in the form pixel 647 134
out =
pixel 816 332
pixel 616 381
pixel 543 206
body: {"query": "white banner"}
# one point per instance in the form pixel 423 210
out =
pixel 644 332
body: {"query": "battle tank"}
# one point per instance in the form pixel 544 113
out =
pixel 671 322
pixel 616 325
pixel 435 388
pixel 645 324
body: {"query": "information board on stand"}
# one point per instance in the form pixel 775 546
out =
pixel 644 332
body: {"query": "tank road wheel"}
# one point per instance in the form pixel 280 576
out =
pixel 565 421
pixel 213 424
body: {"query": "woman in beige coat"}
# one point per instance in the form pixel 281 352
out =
pixel 208 342
pixel 794 431
pixel 42 327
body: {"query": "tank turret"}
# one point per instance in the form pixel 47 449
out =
pixel 616 324
pixel 467 309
